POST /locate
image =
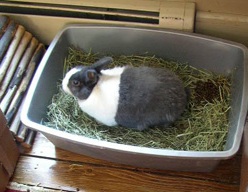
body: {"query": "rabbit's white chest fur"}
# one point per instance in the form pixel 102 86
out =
pixel 102 103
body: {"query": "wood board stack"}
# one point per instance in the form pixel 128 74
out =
pixel 20 54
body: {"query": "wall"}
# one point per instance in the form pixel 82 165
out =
pixel 221 18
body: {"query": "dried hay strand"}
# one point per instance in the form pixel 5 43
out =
pixel 202 127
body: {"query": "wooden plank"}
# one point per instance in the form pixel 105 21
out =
pixel 227 26
pixel 15 61
pixel 3 24
pixel 18 75
pixel 72 176
pixel 11 51
pixel 7 38
pixel 227 172
pixel 239 7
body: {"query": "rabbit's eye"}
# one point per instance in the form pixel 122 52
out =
pixel 76 82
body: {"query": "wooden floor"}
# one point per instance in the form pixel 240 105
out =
pixel 53 168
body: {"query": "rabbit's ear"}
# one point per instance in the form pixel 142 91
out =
pixel 102 63
pixel 91 76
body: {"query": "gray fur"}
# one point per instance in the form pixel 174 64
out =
pixel 148 97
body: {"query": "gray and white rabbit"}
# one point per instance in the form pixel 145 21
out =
pixel 134 97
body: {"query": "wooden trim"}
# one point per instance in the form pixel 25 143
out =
pixel 221 17
pixel 228 26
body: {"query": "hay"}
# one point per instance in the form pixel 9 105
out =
pixel 202 127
